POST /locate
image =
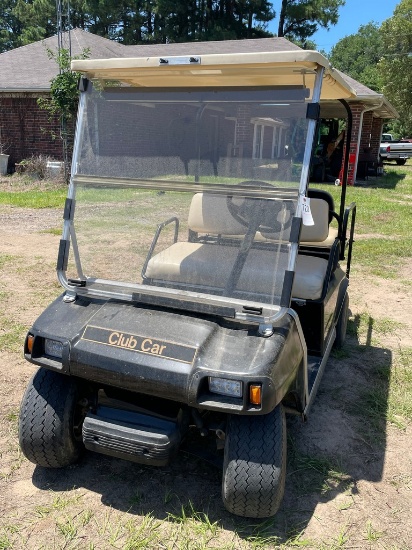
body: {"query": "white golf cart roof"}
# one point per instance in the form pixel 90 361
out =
pixel 288 68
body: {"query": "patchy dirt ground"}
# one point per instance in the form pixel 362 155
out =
pixel 349 482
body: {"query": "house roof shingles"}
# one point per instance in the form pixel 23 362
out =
pixel 29 68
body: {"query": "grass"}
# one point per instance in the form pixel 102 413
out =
pixel 389 398
pixel 49 198
pixel 372 535
pixel 388 395
pixel 6 259
pixel 5 542
pixel 12 334
pixel 317 474
pixel 383 222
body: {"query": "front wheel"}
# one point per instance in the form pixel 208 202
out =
pixel 254 467
pixel 50 419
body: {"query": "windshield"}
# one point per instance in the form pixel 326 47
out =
pixel 188 194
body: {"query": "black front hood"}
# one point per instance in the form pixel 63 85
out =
pixel 165 353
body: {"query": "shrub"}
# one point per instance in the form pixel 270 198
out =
pixel 36 166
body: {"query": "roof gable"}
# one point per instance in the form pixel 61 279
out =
pixel 29 68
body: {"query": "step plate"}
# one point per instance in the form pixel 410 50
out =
pixel 143 442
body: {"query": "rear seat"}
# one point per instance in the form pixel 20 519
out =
pixel 208 264
pixel 333 231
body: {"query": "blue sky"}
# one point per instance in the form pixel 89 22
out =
pixel 351 16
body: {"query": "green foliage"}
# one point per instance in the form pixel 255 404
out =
pixel 63 89
pixel 10 26
pixel 395 67
pixel 358 55
pixel 51 198
pixel 38 19
pixel 161 21
pixel 64 99
pixel 300 19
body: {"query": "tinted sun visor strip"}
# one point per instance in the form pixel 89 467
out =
pixel 265 94
pixel 63 256
pixel 287 289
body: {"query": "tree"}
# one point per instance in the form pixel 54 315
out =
pixel 64 98
pixel 358 55
pixel 395 67
pixel 37 18
pixel 189 20
pixel 145 21
pixel 300 19
pixel 10 26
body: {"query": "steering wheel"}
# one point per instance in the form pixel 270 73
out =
pixel 268 215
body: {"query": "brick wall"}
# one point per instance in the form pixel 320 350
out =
pixel 357 110
pixel 365 141
pixel 27 130
pixel 376 133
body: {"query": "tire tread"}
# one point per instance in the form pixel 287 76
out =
pixel 46 420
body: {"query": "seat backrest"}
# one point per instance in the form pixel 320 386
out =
pixel 320 230
pixel 210 214
pixel 321 194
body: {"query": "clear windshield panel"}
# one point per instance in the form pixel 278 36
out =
pixel 187 190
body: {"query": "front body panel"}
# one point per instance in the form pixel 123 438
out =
pixel 167 354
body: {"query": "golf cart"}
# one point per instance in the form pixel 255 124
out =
pixel 204 284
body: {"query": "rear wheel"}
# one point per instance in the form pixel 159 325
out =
pixel 254 467
pixel 50 420
pixel 342 324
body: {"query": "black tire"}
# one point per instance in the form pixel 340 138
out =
pixel 342 324
pixel 254 467
pixel 400 162
pixel 48 419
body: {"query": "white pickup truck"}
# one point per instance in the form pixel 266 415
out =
pixel 398 150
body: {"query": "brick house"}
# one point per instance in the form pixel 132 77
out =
pixel 26 72
pixel 25 75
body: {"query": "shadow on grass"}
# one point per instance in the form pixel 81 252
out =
pixel 389 180
pixel 342 443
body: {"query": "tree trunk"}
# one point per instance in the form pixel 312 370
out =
pixel 282 17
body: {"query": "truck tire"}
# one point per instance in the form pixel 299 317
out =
pixel 342 324
pixel 254 467
pixel 400 162
pixel 47 420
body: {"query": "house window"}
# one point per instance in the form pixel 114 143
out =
pixel 277 141
pixel 258 141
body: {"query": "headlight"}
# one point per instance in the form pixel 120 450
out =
pixel 225 386
pixel 53 348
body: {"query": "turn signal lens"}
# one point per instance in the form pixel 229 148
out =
pixel 30 342
pixel 255 394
